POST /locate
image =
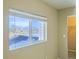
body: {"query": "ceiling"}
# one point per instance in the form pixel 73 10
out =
pixel 61 4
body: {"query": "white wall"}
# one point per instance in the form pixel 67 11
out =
pixel 38 51
pixel 63 48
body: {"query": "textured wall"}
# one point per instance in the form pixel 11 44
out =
pixel 39 51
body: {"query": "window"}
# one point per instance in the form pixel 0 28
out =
pixel 26 29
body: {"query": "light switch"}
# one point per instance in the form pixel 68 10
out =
pixel 64 35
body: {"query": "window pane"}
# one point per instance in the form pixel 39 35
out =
pixel 18 32
pixel 22 31
pixel 37 30
pixel 11 31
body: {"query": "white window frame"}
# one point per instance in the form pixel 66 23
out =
pixel 34 16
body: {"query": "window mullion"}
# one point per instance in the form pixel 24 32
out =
pixel 45 28
pixel 15 29
pixel 30 30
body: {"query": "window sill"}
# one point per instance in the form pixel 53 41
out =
pixel 24 44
